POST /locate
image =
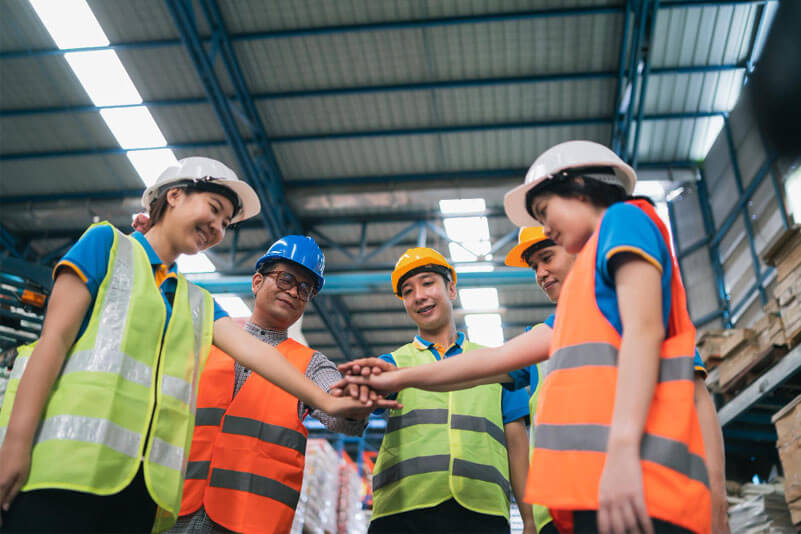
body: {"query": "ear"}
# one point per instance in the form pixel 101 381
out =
pixel 256 282
pixel 452 290
pixel 174 195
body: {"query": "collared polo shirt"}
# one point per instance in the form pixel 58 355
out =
pixel 514 404
pixel 88 258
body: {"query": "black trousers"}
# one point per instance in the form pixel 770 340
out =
pixel 587 522
pixel 55 510
pixel 448 517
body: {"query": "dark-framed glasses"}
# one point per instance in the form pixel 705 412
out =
pixel 286 281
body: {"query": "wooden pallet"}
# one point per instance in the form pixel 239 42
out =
pixel 759 362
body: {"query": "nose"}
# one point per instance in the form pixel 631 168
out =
pixel 542 272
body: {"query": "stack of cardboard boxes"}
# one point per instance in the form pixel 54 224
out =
pixel 788 430
pixel 785 255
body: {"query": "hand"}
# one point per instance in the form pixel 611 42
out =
pixel 621 500
pixel 355 409
pixel 364 367
pixel 384 383
pixel 13 472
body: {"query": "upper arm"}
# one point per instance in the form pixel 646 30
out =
pixel 88 257
pixel 68 303
pixel 219 312
pixel 626 233
pixel 514 405
pixel 639 296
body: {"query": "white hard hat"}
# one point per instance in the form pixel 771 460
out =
pixel 564 156
pixel 198 168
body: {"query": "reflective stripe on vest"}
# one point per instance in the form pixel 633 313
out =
pixel 258 485
pixel 107 396
pixel 574 415
pixel 605 355
pixel 442 446
pixel 657 449
pixel 284 437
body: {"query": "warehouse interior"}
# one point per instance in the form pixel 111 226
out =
pixel 377 126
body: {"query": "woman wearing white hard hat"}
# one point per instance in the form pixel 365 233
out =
pixel 617 423
pixel 98 416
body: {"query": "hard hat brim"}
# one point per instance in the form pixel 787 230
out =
pixel 420 262
pixel 247 196
pixel 515 256
pixel 514 204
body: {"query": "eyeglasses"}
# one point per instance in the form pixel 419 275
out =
pixel 286 281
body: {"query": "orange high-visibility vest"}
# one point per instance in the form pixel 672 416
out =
pixel 576 403
pixel 248 452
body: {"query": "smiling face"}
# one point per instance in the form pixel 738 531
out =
pixel 275 307
pixel 196 221
pixel 569 221
pixel 428 300
pixel 551 265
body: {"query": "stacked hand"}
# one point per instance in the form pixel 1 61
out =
pixel 368 379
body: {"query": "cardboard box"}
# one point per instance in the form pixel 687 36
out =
pixel 735 338
pixel 737 361
pixel 787 288
pixel 709 345
pixel 795 512
pixel 790 456
pixel 784 252
pixel 788 421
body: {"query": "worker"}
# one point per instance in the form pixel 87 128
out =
pixel 247 429
pixel 443 465
pixel 551 263
pixel 622 342
pixel 113 377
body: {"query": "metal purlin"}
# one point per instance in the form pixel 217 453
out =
pixel 263 173
pixel 646 60
pixel 724 300
pixel 746 218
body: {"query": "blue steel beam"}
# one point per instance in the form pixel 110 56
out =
pixel 724 300
pixel 646 60
pixel 383 26
pixel 638 32
pixel 749 231
pixel 372 282
pixel 9 243
pixel 327 136
pixel 621 77
pixel 262 170
pixel 380 88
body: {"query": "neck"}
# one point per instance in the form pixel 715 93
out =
pixel 266 324
pixel 444 336
pixel 157 238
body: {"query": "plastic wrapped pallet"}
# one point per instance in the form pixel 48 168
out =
pixel 316 512
pixel 763 510
pixel 350 519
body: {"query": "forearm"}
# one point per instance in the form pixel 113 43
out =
pixel 483 366
pixel 638 368
pixel 41 372
pixel 517 448
pixel 268 362
pixel 714 452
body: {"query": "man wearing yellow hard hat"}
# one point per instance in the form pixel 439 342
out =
pixel 443 464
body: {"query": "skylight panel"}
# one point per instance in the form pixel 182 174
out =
pixel 196 263
pixel 476 267
pixel 103 77
pixel 235 306
pixel 133 127
pixel 462 205
pixel 151 163
pixel 484 329
pixel 479 298
pixel 70 23
pixel 467 228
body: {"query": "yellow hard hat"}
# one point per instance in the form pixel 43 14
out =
pixel 414 258
pixel 528 237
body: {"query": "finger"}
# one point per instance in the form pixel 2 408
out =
pixel 603 520
pixel 373 395
pixel 388 404
pixel 335 392
pixel 646 525
pixel 629 517
pixel 353 391
pixel 616 520
pixel 377 370
pixel 366 370
pixel 356 380
pixel 364 392
pixel 13 493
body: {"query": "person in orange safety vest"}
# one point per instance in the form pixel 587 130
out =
pixel 247 457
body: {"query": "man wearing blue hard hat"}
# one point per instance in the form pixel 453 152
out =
pixel 247 456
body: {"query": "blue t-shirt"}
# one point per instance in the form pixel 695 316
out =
pixel 88 258
pixel 514 404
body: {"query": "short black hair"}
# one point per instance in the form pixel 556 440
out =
pixel 601 194
pixel 545 243
pixel 444 272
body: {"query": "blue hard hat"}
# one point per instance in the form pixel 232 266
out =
pixel 299 249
